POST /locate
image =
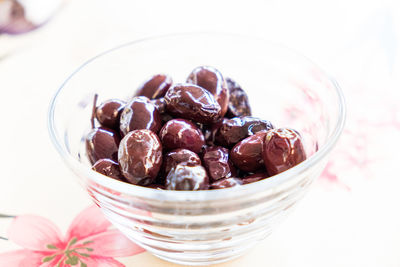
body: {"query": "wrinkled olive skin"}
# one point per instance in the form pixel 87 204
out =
pixel 210 131
pixel 155 87
pixel 217 163
pixel 102 143
pixel 160 105
pixel 212 80
pixel 283 149
pixel 174 157
pixel 247 154
pixel 192 102
pixel 255 177
pixel 109 112
pixel 187 177
pixel 226 183
pixel 140 113
pixel 108 168
pixel 180 133
pixel 236 129
pixel 238 100
pixel 140 157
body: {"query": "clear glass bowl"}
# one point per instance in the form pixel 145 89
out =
pixel 202 227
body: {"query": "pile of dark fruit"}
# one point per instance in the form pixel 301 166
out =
pixel 196 135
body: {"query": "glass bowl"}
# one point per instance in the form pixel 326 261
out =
pixel 202 227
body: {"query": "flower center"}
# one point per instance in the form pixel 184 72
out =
pixel 71 255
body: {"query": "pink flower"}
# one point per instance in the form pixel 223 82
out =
pixel 89 242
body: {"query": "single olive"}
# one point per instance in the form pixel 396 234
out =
pixel 109 112
pixel 283 149
pixel 140 113
pixel 155 87
pixel 247 154
pixel 212 80
pixel 140 156
pixel 102 143
pixel 174 157
pixel 217 163
pixel 236 129
pixel 187 177
pixel 192 102
pixel 108 168
pixel 180 133
pixel 238 100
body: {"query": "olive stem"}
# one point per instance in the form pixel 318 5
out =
pixel 94 110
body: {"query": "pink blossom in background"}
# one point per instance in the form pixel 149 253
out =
pixel 89 242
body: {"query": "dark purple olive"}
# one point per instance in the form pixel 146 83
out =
pixel 210 131
pixel 187 177
pixel 226 183
pixel 282 150
pixel 102 143
pixel 140 156
pixel 180 133
pixel 174 157
pixel 255 177
pixel 217 163
pixel 109 112
pixel 192 102
pixel 247 154
pixel 155 87
pixel 234 130
pixel 212 80
pixel 140 113
pixel 238 101
pixel 108 168
pixel 159 103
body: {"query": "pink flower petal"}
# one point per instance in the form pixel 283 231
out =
pixel 14 258
pixel 102 262
pixel 112 244
pixel 90 221
pixel 34 233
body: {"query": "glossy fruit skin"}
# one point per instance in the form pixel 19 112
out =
pixel 140 156
pixel 180 133
pixel 102 143
pixel 247 154
pixel 138 114
pixel 108 168
pixel 192 102
pixel 187 177
pixel 108 113
pixel 180 155
pixel 236 129
pixel 155 87
pixel 212 80
pixel 226 183
pixel 255 177
pixel 217 163
pixel 210 131
pixel 282 149
pixel 160 105
pixel 238 100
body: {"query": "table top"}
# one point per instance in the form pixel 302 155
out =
pixel 350 217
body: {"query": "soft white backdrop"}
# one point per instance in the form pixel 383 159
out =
pixel 352 222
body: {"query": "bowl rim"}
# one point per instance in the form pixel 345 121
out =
pixel 202 195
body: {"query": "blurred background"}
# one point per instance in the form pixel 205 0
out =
pixel 351 216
